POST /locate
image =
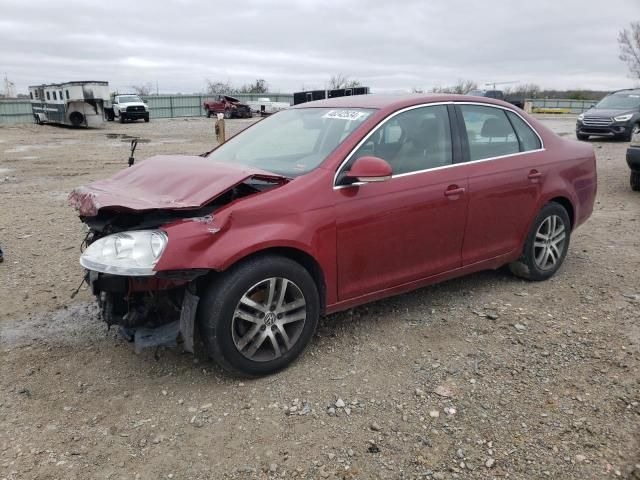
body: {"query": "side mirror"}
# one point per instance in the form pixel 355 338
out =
pixel 369 169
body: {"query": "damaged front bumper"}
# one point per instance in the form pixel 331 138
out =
pixel 150 311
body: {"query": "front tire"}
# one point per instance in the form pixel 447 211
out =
pixel 121 118
pixel 634 181
pixel 546 246
pixel 582 137
pixel 258 317
pixel 227 114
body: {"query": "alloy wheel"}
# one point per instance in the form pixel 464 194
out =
pixel 269 319
pixel 549 242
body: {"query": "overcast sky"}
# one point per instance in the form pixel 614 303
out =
pixel 387 45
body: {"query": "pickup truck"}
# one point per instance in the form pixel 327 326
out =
pixel 229 106
pixel 499 95
pixel 127 107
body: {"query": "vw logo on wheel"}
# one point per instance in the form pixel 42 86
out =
pixel 269 319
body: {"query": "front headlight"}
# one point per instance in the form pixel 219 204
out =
pixel 623 118
pixel 132 254
pixel 581 116
pixel 123 109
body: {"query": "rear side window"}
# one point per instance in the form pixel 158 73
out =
pixel 489 132
pixel 527 137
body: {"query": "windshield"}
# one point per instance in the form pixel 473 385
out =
pixel 627 101
pixel 129 99
pixel 292 142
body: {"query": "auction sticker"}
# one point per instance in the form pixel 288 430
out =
pixel 349 115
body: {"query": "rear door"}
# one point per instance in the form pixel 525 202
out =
pixel 506 173
pixel 411 226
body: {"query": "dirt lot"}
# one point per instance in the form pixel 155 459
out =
pixel 482 377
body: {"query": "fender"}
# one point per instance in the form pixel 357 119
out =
pixel 218 243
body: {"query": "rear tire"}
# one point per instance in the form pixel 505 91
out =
pixel 634 180
pixel 76 119
pixel 258 317
pixel 546 246
pixel 582 137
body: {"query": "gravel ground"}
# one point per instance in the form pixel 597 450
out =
pixel 482 377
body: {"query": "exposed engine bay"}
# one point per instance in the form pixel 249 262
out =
pixel 155 310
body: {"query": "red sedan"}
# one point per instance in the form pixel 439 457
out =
pixel 323 207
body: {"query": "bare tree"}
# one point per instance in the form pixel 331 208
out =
pixel 629 43
pixel 342 81
pixel 223 88
pixel 462 87
pixel 143 90
pixel 526 90
pixel 259 86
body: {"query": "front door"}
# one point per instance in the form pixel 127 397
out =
pixel 411 226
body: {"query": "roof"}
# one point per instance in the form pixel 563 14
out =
pixel 392 102
pixel 75 82
pixel 625 90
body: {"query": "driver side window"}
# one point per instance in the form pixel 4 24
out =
pixel 414 140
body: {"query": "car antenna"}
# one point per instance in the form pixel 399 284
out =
pixel 134 144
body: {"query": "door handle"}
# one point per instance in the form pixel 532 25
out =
pixel 453 191
pixel 534 175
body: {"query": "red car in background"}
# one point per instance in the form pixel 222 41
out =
pixel 230 107
pixel 323 207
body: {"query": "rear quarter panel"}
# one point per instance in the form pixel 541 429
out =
pixel 571 173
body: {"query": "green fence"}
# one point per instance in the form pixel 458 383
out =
pixel 15 111
pixel 160 106
pixel 562 105
pixel 171 106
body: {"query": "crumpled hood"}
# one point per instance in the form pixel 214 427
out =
pixel 169 182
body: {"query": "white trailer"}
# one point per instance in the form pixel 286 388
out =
pixel 79 104
pixel 264 106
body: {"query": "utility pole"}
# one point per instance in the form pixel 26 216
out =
pixel 493 84
pixel 8 87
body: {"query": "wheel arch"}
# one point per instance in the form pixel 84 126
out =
pixel 568 206
pixel 307 261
